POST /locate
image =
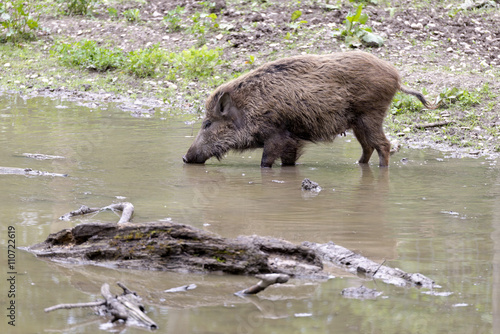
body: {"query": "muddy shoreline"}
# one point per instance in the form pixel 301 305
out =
pixel 147 106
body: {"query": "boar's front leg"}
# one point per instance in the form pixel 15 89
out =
pixel 280 145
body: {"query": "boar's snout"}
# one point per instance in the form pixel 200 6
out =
pixel 193 160
pixel 192 157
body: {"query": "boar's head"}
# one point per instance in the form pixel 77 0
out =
pixel 220 130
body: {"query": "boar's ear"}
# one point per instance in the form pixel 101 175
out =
pixel 223 104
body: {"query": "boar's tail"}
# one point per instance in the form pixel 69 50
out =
pixel 419 96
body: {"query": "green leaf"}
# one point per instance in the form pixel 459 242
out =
pixel 348 26
pixel 358 14
pixel 363 18
pixel 32 24
pixel 371 39
pixel 112 11
pixel 296 15
pixel 352 41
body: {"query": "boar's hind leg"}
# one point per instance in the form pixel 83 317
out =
pixel 370 139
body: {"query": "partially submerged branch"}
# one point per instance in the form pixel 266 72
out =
pixel 265 281
pixel 126 208
pixel 77 305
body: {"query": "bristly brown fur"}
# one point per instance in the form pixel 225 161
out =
pixel 285 103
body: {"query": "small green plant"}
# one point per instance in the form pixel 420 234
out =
pixel 356 31
pixel 87 54
pixel 78 7
pixel 173 19
pixel 454 95
pixel 146 62
pixel 403 103
pixel 132 15
pixel 113 13
pixel 197 28
pixel 295 23
pixel 200 23
pixel 251 60
pixel 213 21
pixel 18 20
pixel 197 63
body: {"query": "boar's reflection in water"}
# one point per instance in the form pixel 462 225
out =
pixel 285 103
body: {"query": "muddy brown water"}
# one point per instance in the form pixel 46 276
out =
pixel 427 213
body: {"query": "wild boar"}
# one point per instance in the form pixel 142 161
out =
pixel 286 103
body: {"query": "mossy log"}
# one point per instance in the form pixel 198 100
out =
pixel 177 247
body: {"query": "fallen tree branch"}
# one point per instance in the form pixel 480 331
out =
pixel 265 281
pixel 126 208
pixel 124 307
pixel 432 125
pixel 78 305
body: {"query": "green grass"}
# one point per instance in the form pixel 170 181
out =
pixel 192 63
pixel 87 54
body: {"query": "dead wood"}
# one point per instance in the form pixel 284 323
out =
pixel 27 172
pixel 77 305
pixel 125 307
pixel 265 281
pixel 126 208
pixel 177 247
pixel 432 125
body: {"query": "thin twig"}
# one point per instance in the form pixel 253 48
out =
pixel 432 125
pixel 378 268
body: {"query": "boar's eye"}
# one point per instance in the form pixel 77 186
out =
pixel 206 124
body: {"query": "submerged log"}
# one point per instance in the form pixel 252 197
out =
pixel 177 247
pixel 126 307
